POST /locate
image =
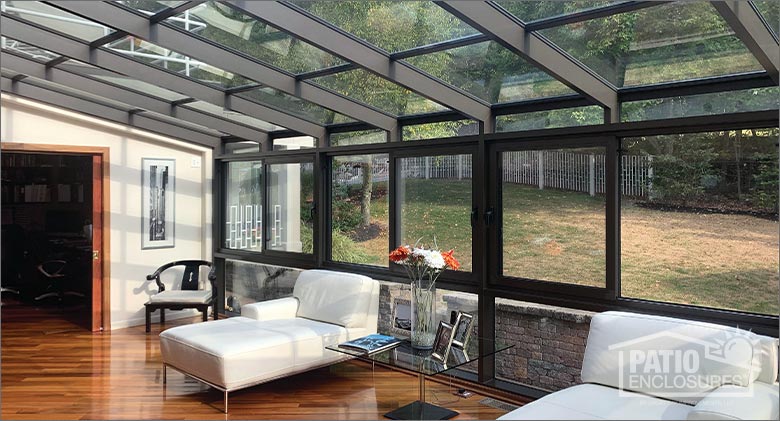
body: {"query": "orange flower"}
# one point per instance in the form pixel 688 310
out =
pixel 450 260
pixel 400 254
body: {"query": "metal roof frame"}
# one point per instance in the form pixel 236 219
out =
pixel 751 29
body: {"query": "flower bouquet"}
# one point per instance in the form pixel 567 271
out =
pixel 423 267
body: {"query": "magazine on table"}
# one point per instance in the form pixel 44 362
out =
pixel 371 343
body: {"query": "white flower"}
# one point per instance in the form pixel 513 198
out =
pixel 434 260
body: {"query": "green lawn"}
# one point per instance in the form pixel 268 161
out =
pixel 727 261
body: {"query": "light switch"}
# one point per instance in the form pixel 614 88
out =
pixel 195 162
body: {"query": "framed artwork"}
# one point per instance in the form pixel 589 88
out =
pixel 462 332
pixel 441 345
pixel 158 188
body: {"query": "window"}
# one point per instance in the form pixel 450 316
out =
pixel 578 116
pixel 358 137
pixel 553 215
pixel 435 197
pixel 244 206
pixel 290 202
pixel 755 99
pixel 359 209
pixel 703 230
pixel 440 130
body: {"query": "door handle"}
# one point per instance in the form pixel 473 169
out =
pixel 489 217
pixel 95 254
pixel 474 212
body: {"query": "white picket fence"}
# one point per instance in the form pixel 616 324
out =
pixel 544 169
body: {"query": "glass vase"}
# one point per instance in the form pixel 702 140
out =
pixel 423 313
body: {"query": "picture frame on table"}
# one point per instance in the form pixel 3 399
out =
pixel 158 192
pixel 443 341
pixel 462 330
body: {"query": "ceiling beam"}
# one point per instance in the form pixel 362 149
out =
pixel 173 11
pixel 324 35
pixel 97 87
pixel 493 21
pixel 183 42
pixel 145 121
pixel 106 59
pixel 749 27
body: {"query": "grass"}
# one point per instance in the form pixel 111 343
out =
pixel 726 261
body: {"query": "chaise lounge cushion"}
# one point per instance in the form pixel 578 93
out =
pixel 596 402
pixel 221 352
pixel 334 297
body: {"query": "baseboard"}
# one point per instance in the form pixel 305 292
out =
pixel 169 315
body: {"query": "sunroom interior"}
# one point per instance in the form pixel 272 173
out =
pixel 604 172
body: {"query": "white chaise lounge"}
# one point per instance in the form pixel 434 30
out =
pixel 276 338
pixel 627 377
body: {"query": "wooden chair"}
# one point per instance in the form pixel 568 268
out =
pixel 190 295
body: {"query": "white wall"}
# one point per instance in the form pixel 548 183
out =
pixel 25 121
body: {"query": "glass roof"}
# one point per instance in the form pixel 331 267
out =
pixel 391 25
pixel 294 105
pixel 233 29
pixel 164 58
pixel 528 10
pixel 770 9
pixel 150 7
pixel 673 42
pixel 33 52
pixel 56 19
pixel 381 93
pixel 232 115
pixel 490 72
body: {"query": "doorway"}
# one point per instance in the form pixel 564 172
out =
pixel 54 239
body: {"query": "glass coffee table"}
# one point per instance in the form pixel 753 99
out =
pixel 419 361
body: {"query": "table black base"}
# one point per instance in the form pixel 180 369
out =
pixel 421 411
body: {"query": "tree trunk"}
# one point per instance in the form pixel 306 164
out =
pixel 365 193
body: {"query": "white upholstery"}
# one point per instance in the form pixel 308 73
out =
pixel 333 297
pixel 179 296
pixel 274 340
pixel 596 402
pixel 750 371
pixel 282 308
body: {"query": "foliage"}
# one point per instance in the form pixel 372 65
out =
pixel 765 189
pixel 682 177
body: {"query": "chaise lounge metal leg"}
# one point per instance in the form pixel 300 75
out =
pixel 165 373
pixel 226 401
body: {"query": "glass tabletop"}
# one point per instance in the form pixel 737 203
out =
pixel 420 360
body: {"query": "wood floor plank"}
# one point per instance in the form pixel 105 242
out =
pixel 52 368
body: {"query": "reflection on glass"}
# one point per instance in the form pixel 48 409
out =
pixel 290 202
pixel 359 209
pixel 530 10
pixel 567 117
pixel 237 148
pixel 490 72
pixel 294 105
pixel 244 206
pixel 705 104
pixel 676 41
pixel 364 86
pixel 440 130
pixel 33 52
pixel 770 10
pixel 150 7
pixel 294 143
pixel 233 29
pixel 55 19
pixel 358 138
pixel 704 230
pixel 164 58
pixel 553 206
pixel 391 25
pixel 232 115
pixel 435 197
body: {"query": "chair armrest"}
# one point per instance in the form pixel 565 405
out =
pixel 282 308
pixel 759 401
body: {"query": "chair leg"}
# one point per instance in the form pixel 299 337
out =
pixel 162 315
pixel 148 319
pixel 214 310
pixel 205 312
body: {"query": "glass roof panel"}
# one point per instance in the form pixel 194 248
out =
pixel 56 19
pixel 150 7
pixel 233 29
pixel 173 61
pixel 37 54
pixel 770 9
pixel 210 108
pixel 391 25
pixel 294 105
pixel 673 42
pixel 490 72
pixel 366 87
pixel 528 11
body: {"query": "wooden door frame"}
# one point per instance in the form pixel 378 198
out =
pixel 105 253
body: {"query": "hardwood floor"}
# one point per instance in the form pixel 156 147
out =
pixel 53 368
